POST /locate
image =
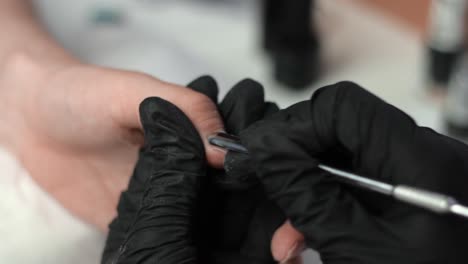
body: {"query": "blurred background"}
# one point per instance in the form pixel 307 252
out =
pixel 404 51
pixel 410 53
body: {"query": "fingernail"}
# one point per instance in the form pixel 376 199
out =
pixel 295 251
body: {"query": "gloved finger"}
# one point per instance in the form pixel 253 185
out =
pixel 270 108
pixel 243 105
pixel 206 85
pixel 285 238
pixel 264 223
pixel 155 214
pixel 199 108
pixel 239 172
pixel 245 224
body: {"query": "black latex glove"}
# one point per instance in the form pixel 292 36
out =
pixel 156 214
pixel 238 221
pixel 345 126
pixel 234 222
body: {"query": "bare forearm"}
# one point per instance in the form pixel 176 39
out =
pixel 22 33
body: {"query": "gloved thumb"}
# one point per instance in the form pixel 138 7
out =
pixel 156 212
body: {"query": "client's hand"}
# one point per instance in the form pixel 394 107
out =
pixel 77 129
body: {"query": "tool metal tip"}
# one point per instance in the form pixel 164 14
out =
pixel 460 210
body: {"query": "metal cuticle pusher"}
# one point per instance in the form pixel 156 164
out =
pixel 429 200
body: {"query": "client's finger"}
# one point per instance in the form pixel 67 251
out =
pixel 287 243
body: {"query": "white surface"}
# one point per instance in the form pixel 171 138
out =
pixel 177 41
pixel 34 228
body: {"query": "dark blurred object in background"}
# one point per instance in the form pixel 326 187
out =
pixel 446 40
pixel 456 108
pixel 290 38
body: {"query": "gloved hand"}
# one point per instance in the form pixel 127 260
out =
pixel 345 126
pixel 156 213
pixel 228 221
pixel 239 222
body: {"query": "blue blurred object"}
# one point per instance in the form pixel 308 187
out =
pixel 107 16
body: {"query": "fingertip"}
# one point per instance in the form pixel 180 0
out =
pixel 252 91
pixel 249 83
pixel 148 107
pixel 153 108
pixel 287 243
pixel 204 80
pixel 206 85
pixel 270 109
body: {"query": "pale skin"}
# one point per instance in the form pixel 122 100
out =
pixel 75 127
